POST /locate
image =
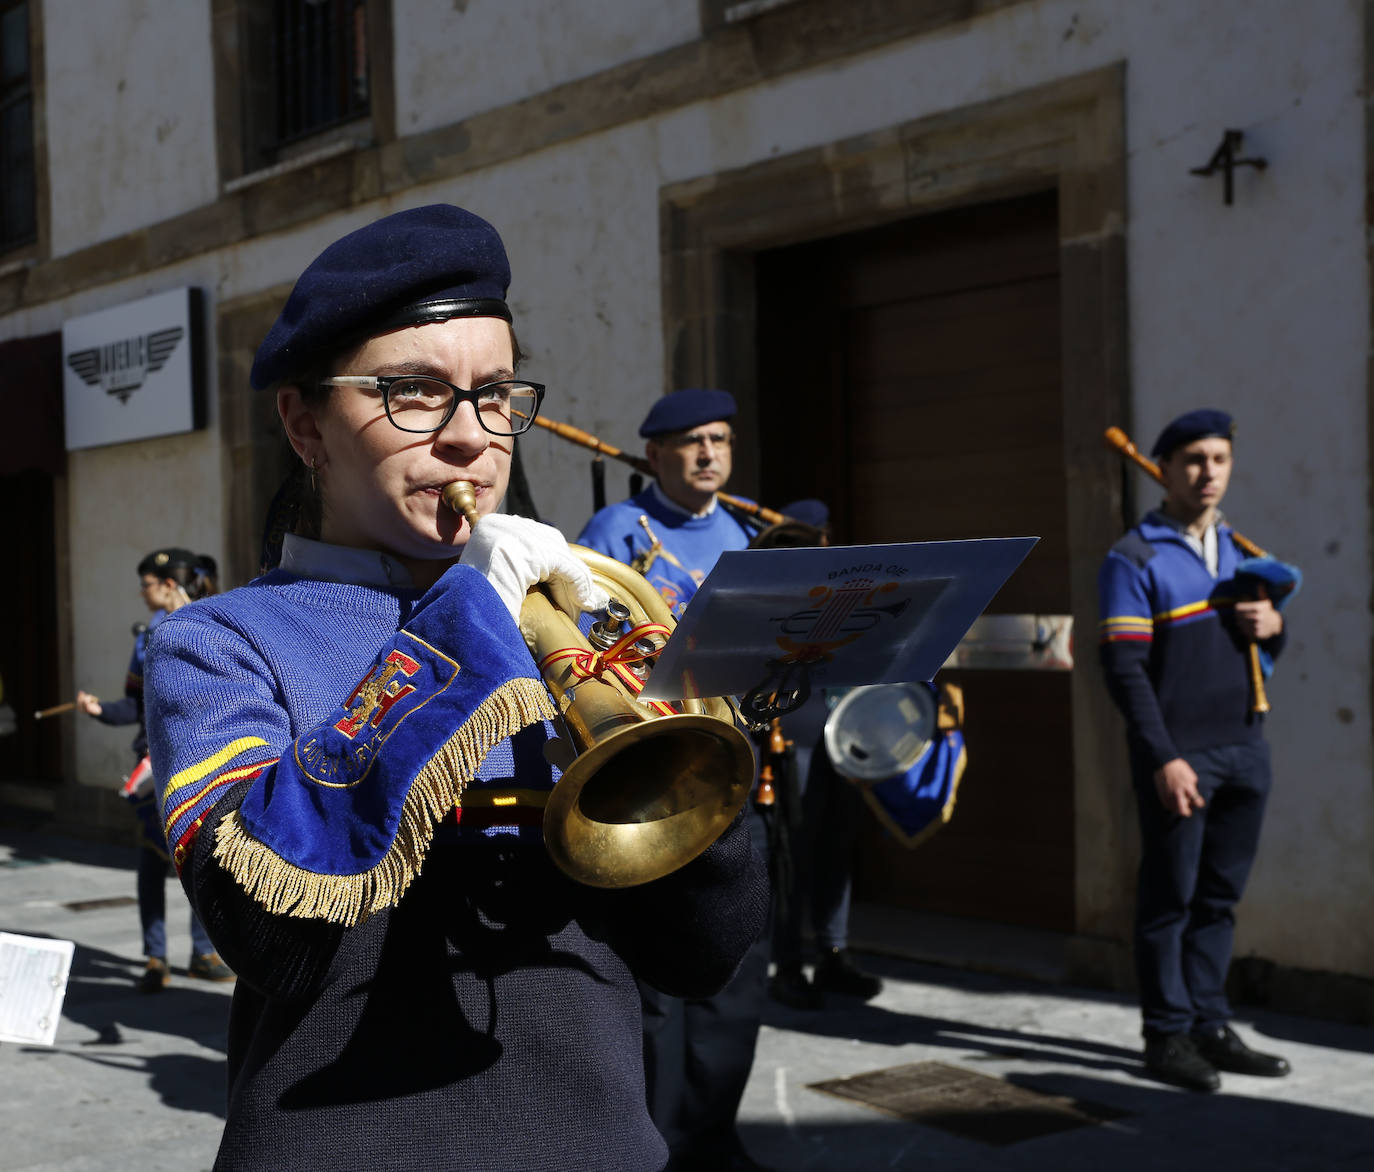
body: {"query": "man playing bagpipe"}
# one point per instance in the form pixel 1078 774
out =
pixel 675 530
pixel 698 1051
pixel 1184 615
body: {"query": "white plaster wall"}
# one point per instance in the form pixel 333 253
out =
pixel 125 500
pixel 457 59
pixel 1261 308
pixel 128 500
pixel 129 115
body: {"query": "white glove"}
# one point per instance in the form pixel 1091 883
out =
pixel 513 553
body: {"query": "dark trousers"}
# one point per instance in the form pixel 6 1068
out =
pixel 697 1053
pixel 152 886
pixel 831 815
pixel 1192 874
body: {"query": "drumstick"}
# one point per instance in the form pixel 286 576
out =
pixel 55 710
pixel 1118 439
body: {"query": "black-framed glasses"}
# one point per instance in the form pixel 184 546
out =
pixel 420 403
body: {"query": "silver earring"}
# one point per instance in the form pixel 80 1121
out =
pixel 314 484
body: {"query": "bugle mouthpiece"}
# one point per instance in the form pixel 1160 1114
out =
pixel 461 498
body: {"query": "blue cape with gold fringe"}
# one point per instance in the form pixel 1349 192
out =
pixel 339 826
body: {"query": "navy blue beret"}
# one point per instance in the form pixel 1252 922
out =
pixel 426 264
pixel 808 512
pixel 686 409
pixel 1204 423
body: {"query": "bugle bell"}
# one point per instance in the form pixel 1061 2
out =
pixel 647 788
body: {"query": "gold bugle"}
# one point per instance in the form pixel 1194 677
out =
pixel 642 794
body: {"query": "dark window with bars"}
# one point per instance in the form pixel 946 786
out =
pixel 319 67
pixel 17 222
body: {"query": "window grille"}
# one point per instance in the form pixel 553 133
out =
pixel 17 213
pixel 319 66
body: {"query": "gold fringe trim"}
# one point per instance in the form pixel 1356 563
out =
pixel 285 889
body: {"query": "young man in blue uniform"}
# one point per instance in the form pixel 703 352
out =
pixel 697 1051
pixel 1175 633
pixel 676 529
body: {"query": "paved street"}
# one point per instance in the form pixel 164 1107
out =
pixel 135 1083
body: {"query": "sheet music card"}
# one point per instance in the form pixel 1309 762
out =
pixel 862 614
pixel 33 985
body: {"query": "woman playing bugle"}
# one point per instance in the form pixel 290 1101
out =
pixel 418 989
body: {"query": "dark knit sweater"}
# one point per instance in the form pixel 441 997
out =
pixel 488 1021
pixel 1174 661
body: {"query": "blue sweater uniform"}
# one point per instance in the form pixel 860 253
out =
pixel 129 708
pixel 691 544
pixel 418 988
pixel 1174 662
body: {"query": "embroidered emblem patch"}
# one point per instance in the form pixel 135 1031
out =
pixel 339 753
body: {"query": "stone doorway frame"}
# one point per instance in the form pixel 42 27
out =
pixel 1068 136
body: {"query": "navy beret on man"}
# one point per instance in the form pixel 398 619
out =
pixel 1204 423
pixel 426 264
pixel 683 410
pixel 809 512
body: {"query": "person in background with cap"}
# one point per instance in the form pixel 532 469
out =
pixel 697 1051
pixel 419 988
pixel 676 529
pixel 1173 647
pixel 168 580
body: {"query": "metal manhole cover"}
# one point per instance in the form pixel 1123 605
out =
pixel 90 905
pixel 966 1103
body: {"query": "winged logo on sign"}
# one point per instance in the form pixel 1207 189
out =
pixel 120 368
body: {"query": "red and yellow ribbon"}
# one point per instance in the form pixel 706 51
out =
pixel 586 663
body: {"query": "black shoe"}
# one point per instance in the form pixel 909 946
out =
pixel 836 973
pixel 789 987
pixel 155 977
pixel 1224 1050
pixel 208 967
pixel 1174 1059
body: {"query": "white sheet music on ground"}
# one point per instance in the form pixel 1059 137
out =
pixel 33 985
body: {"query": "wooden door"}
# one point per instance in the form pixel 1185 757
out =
pixel 909 375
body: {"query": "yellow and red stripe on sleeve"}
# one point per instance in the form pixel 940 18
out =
pixel 1126 628
pixel 191 793
pixel 1193 612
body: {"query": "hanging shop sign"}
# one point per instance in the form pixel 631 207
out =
pixel 134 371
